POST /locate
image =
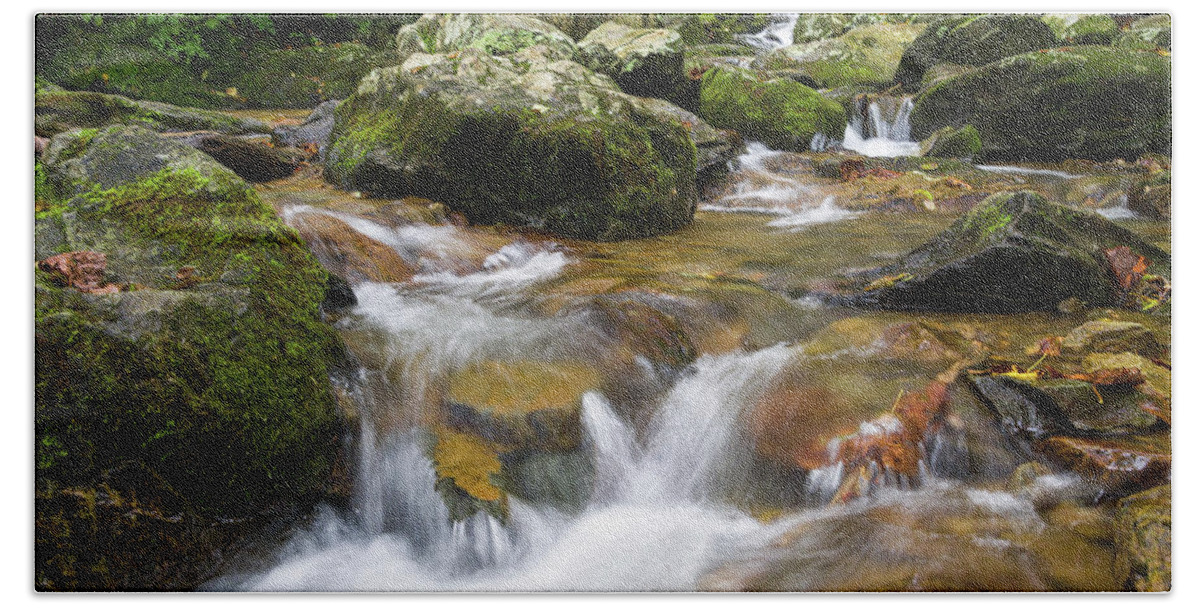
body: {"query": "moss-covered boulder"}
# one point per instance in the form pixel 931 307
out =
pixel 1142 531
pixel 492 34
pixel 1151 196
pixel 1148 33
pixel 864 56
pixel 811 27
pixel 1014 252
pixel 781 113
pixel 57 110
pixel 305 77
pixel 714 28
pixel 1082 102
pixel 522 139
pixel 211 364
pixel 1077 28
pixel 951 142
pixel 643 62
pixel 971 40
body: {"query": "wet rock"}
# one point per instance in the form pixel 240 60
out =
pixel 252 161
pixel 643 62
pixel 1104 336
pixel 1143 539
pixel 1058 104
pixel 952 540
pixel 1151 196
pixel 949 142
pixel 1121 465
pixel 467 468
pixel 339 295
pixel 971 40
pixel 1148 33
pixel 1044 407
pixel 58 111
pixel 514 139
pixel 349 253
pixel 1021 408
pixel 864 56
pixel 521 403
pixel 1014 252
pixel 781 113
pixel 313 132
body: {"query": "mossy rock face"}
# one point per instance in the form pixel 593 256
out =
pixel 213 368
pixel 1014 252
pixel 527 404
pixel 971 40
pixel 1059 104
pixel 1151 196
pixel 781 113
pixel 1143 540
pixel 811 27
pixel 1075 28
pixel 522 139
pixel 492 34
pixel 56 110
pixel 865 56
pixel 949 142
pixel 1149 33
pixel 643 62
pixel 714 28
pixel 307 76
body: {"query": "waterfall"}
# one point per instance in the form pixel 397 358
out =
pixel 872 132
pixel 778 33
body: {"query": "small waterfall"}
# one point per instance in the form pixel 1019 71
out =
pixel 779 33
pixel 874 132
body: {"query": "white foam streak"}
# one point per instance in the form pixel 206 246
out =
pixel 826 212
pixel 780 32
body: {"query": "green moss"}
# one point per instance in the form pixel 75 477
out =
pixel 781 113
pixel 307 76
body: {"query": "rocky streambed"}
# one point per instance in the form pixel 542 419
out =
pixel 649 304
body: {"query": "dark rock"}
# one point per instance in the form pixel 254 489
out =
pixel 643 62
pixel 252 161
pixel 1151 196
pixel 58 111
pixel 339 295
pixel 1014 252
pixel 1059 104
pixel 1041 408
pixel 971 40
pixel 314 131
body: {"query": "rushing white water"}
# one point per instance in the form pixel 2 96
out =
pixel 879 135
pixel 779 33
pixel 505 274
pixel 1120 211
pixel 425 246
pixel 1017 170
pixel 826 212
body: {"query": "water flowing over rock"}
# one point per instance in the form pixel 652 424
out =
pixel 518 138
pixel 971 40
pixel 1013 252
pixel 1057 104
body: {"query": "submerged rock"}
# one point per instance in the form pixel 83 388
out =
pixel 525 404
pixel 781 113
pixel 212 371
pixel 522 139
pixel 1081 102
pixel 1143 540
pixel 971 40
pixel 1014 252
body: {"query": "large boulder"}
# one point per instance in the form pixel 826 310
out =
pixel 864 56
pixel 1014 252
pixel 714 28
pixel 57 110
pixel 643 62
pixel 971 40
pixel 781 113
pixel 1076 28
pixel 202 356
pixel 1143 540
pixel 525 139
pixel 493 34
pixel 1082 102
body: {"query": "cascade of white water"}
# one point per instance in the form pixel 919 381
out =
pixel 876 134
pixel 778 33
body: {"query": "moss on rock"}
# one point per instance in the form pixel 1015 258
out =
pixel 867 55
pixel 1082 102
pixel 56 111
pixel 949 142
pixel 971 40
pixel 781 113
